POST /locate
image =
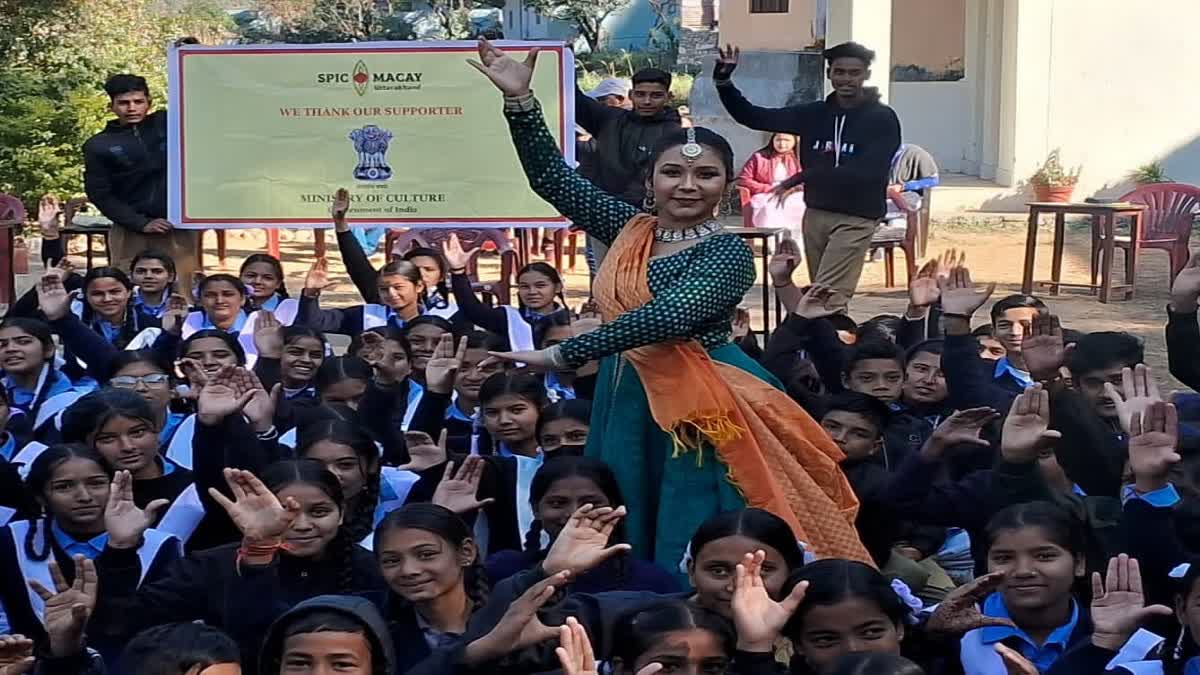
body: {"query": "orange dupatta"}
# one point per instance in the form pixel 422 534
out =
pixel 777 456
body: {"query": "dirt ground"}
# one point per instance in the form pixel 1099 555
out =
pixel 994 253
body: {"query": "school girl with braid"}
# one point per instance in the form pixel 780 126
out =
pixel 435 579
pixel 293 547
pixel 691 425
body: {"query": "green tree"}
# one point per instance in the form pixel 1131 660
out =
pixel 586 15
pixel 54 58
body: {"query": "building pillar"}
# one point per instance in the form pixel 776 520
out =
pixel 1025 81
pixel 869 23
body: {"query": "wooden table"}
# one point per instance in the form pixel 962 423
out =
pixel 94 227
pixel 1103 217
pixel 768 237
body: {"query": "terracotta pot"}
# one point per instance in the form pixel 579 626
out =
pixel 1053 193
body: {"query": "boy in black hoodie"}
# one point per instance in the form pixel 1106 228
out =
pixel 847 143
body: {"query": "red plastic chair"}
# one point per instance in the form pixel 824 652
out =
pixel 747 210
pixel 1166 224
pixel 12 216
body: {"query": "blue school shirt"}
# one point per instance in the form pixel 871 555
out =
pixel 271 303
pixel 146 309
pixel 1004 367
pixel 1044 656
pixel 233 330
pixel 9 447
pixel 90 549
pixel 56 383
pixel 169 427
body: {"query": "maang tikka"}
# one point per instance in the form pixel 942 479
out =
pixel 691 150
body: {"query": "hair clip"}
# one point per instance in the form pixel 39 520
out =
pixel 1180 571
pixel 691 150
pixel 686 561
pixel 905 593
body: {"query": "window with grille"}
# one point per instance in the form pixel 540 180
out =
pixel 768 6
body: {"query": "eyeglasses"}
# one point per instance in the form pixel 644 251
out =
pixel 131 381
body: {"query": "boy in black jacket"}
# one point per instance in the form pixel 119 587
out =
pixel 125 176
pixel 847 144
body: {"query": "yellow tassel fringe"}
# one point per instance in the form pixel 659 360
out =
pixel 691 433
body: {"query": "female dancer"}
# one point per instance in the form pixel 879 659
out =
pixel 667 289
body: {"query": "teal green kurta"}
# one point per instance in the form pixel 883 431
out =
pixel 695 294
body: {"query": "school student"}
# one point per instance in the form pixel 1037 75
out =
pixel 560 488
pixel 847 607
pixel 292 549
pixel 539 289
pixel 423 334
pixel 153 275
pixel 1039 548
pixel 289 356
pixel 563 427
pixel 453 379
pixel 328 633
pixel 430 264
pixel 222 307
pixel 34 385
pixel 401 299
pixel 396 393
pixel 263 276
pixel 182 649
pixel 82 507
pixel 432 568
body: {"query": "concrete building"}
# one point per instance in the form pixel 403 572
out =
pixel 991 86
pixel 627 29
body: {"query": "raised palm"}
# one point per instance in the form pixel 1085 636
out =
pixel 53 299
pixel 48 212
pixel 222 396
pixel 255 510
pixel 959 295
pixel 784 263
pixel 510 76
pixel 758 618
pixel 727 61
pixel 123 520
pixel 959 612
pixel 964 427
pixel 341 205
pixel 574 650
pixel 68 606
pixel 442 367
pixel 1153 445
pixel 1118 605
pixel 923 289
pixel 1043 348
pixel 583 542
pixel 16 655
pixel 456 257
pixel 814 304
pixel 1138 392
pixel 457 489
pixel 268 334
pixel 317 278
pixel 1027 426
pixel 423 453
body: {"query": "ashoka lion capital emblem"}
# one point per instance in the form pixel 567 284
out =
pixel 371 144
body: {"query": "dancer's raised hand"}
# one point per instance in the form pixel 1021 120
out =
pixel 510 76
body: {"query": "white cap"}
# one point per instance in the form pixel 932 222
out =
pixel 609 87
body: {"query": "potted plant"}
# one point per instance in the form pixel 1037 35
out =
pixel 1148 174
pixel 1051 182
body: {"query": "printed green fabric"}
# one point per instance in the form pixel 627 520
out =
pixel 667 497
pixel 695 290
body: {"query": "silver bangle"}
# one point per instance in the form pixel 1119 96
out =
pixel 557 360
pixel 525 103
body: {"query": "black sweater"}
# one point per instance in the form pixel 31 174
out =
pixel 208 586
pixel 853 181
pixel 125 171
